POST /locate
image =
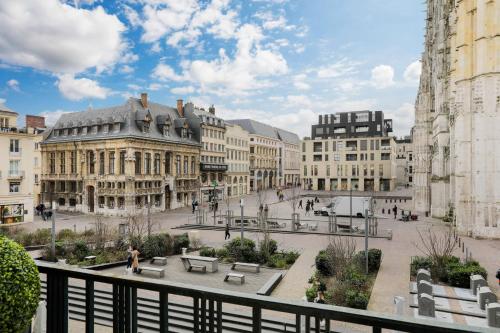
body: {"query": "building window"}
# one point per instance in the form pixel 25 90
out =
pixel 317 147
pixel 303 158
pixel 147 163
pixel 186 164
pixel 157 164
pixel 101 163
pixel 52 163
pixel 339 130
pixel 362 117
pixel 381 170
pixel 193 165
pixel 177 164
pixel 14 146
pixel 317 158
pixel 352 157
pixel 14 187
pixel 91 162
pixel 72 162
pixel 138 163
pixel 328 171
pixel 315 170
pixel 410 157
pixel 62 162
pixel 122 162
pixel 305 170
pixel 14 168
pixel 385 156
pixel 111 166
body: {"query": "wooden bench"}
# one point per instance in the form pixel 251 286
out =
pixel 161 271
pixel 246 264
pixel 90 258
pixel 213 261
pixel 301 226
pixel 275 224
pixel 235 275
pixel 189 267
pixel 159 261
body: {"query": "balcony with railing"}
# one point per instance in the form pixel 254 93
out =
pixel 132 304
pixel 16 174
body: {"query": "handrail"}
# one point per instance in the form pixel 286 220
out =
pixel 125 288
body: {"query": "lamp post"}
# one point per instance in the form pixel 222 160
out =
pixel 350 208
pixel 242 229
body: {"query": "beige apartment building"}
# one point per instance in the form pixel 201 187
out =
pixel 238 161
pixel 122 159
pixel 213 164
pixel 404 161
pixel 19 168
pixel 288 158
pixel 363 164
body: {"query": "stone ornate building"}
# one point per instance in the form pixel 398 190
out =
pixel 456 139
pixel 117 160
pixel 238 161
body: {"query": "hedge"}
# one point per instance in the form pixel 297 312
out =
pixel 19 287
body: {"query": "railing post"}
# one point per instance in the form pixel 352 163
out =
pixel 376 330
pixel 89 306
pixel 196 315
pixel 256 319
pixel 57 302
pixel 297 323
pixel 219 317
pixel 163 312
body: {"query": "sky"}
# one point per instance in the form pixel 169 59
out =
pixel 282 62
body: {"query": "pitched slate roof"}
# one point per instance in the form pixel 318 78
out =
pixel 131 116
pixel 3 108
pixel 258 128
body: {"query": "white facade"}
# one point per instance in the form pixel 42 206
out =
pixel 238 161
pixel 456 138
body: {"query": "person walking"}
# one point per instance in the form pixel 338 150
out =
pixel 308 208
pixel 129 257
pixel 312 204
pixel 227 235
pixel 300 203
pixel 395 211
pixel 135 260
pixel 193 205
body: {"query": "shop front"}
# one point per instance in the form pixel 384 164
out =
pixel 11 213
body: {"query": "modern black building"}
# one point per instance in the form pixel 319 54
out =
pixel 353 124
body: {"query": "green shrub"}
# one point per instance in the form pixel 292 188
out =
pixel 180 241
pixel 41 237
pixel 245 254
pixel 156 246
pixel 311 293
pixel 137 242
pixel 321 286
pixel 418 263
pixel 374 259
pixel 323 264
pixel 80 250
pixel 356 299
pixel 355 279
pixel 459 274
pixel 222 253
pixel 66 234
pixel 277 260
pixel 208 252
pixel 19 287
pixel 268 248
pixel 291 257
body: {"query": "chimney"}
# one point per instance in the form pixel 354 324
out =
pixel 144 100
pixel 180 108
pixel 35 121
pixel 211 109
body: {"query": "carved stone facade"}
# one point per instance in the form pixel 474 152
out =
pixel 456 139
pixel 118 160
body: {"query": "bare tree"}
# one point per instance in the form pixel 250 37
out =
pixel 340 253
pixel 437 246
pixel 293 197
pixel 101 232
pixel 137 225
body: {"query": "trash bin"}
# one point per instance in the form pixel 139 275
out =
pixel 184 250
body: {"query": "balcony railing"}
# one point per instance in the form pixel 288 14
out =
pixel 160 310
pixel 16 174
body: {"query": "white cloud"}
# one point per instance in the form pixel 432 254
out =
pixel 340 68
pixel 126 69
pixel 154 86
pixel 182 90
pixel 276 98
pixel 3 101
pixel 133 86
pixel 301 101
pixel 78 89
pixel 403 119
pixel 382 76
pixel 270 22
pixel 13 84
pixel 132 16
pixel 51 117
pixel 412 72
pixel 164 72
pixel 54 36
pixel 299 82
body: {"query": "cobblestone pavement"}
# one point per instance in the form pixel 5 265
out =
pixel 393 276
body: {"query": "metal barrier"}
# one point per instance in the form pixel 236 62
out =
pixel 207 303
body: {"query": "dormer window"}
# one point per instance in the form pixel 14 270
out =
pixel 56 132
pixel 94 129
pixel 84 130
pixel 75 131
pixel 116 127
pixel 184 133
pixel 166 130
pixel 105 128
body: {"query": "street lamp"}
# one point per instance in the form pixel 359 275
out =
pixel 350 207
pixel 241 223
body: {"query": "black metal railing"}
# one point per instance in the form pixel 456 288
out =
pixel 109 298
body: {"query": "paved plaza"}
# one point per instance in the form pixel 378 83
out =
pixel 393 277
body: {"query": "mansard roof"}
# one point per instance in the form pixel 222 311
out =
pixel 258 128
pixel 124 121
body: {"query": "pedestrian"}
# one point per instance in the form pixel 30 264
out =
pixel 135 260
pixel 216 206
pixel 308 208
pixel 129 257
pixel 193 205
pixel 395 211
pixel 261 208
pixel 316 199
pixel 227 235
pixel 312 205
pixel 300 203
pixel 498 276
pixel 42 212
